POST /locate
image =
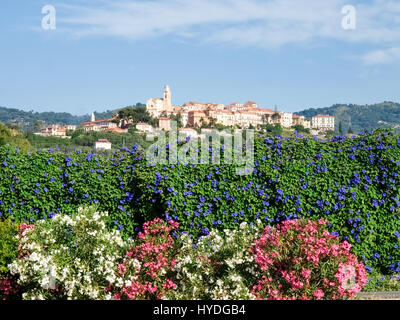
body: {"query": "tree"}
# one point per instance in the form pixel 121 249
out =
pixel 6 137
pixel 299 128
pixel 273 129
pixel 350 131
pixel 36 126
pixel 135 114
pixel 340 127
pixel 178 119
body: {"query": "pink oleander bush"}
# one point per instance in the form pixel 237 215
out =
pixel 9 288
pixel 299 259
pixel 146 269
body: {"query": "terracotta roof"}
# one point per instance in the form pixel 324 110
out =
pixel 164 118
pixel 119 130
pixel 103 140
pixel 99 121
pixel 192 103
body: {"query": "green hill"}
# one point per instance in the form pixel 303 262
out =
pixel 361 117
pixel 27 119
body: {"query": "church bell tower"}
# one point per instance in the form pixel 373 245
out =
pixel 167 98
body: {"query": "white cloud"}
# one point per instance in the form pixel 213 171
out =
pixel 382 56
pixel 265 23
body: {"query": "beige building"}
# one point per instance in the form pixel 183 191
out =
pixel 100 125
pixel 301 120
pixel 246 118
pixel 103 144
pixel 164 123
pixel 56 131
pixel 286 119
pixel 144 127
pixel 193 106
pixel 225 117
pixel 323 122
pixel 197 118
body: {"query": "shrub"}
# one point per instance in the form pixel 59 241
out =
pixel 8 244
pixel 68 257
pixel 217 267
pixel 9 290
pixel 146 270
pixel 351 182
pixel 301 260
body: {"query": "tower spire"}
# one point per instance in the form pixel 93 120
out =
pixel 167 98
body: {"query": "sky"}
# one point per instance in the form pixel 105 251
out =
pixel 108 54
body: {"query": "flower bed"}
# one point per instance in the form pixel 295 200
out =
pixel 77 258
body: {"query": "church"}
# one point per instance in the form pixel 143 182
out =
pixel 156 106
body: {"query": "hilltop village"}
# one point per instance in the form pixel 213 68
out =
pixel 195 115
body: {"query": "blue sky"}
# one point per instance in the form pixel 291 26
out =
pixel 108 54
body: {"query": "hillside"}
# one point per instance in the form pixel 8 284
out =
pixel 26 120
pixel 361 117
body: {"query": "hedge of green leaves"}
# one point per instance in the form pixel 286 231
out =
pixel 351 182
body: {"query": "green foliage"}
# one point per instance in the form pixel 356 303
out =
pixel 135 114
pixel 360 117
pixel 16 139
pixel 380 282
pixel 86 140
pixel 8 244
pixel 340 127
pixel 28 119
pixel 273 129
pixel 351 182
pixel 300 129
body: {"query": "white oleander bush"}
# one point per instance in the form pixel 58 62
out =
pixel 217 267
pixel 68 257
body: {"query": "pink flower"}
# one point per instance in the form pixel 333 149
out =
pixel 306 273
pixel 318 294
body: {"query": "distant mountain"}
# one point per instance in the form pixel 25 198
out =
pixel 361 117
pixel 26 120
